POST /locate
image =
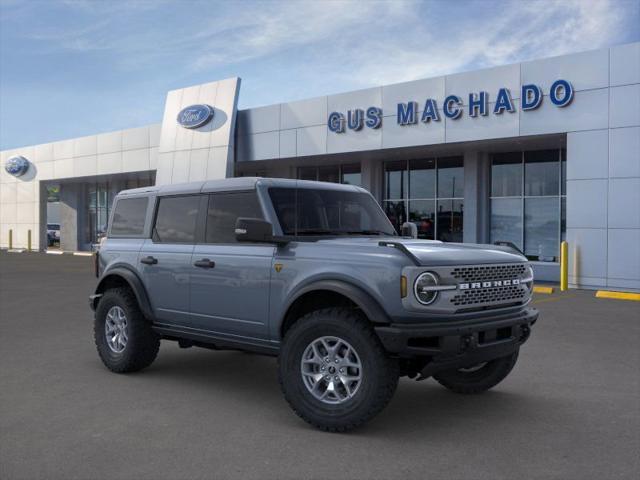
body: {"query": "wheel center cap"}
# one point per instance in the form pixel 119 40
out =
pixel 332 370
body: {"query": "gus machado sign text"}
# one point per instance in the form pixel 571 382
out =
pixel 560 95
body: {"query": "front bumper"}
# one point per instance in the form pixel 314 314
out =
pixel 459 344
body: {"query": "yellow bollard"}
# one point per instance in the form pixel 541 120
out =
pixel 10 239
pixel 564 266
pixel 29 240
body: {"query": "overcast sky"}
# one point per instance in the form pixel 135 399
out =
pixel 80 67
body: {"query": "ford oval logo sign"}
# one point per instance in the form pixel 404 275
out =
pixel 17 166
pixel 195 116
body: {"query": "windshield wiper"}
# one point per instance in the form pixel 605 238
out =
pixel 366 232
pixel 320 231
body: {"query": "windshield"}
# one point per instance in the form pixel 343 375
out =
pixel 308 211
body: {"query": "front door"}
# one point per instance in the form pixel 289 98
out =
pixel 230 280
pixel 165 259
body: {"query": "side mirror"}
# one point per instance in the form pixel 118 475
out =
pixel 409 229
pixel 253 230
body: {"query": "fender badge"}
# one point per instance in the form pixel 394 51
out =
pixel 278 267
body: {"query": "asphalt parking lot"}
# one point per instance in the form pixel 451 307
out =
pixel 570 409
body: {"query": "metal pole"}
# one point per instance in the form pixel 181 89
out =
pixel 564 266
pixel 29 240
pixel 10 239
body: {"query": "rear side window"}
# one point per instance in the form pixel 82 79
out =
pixel 176 219
pixel 224 210
pixel 129 215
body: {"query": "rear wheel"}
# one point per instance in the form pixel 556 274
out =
pixel 478 378
pixel 333 370
pixel 124 338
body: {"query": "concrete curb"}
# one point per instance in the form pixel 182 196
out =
pixel 635 297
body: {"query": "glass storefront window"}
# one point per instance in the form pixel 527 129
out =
pixel 541 173
pixel 396 212
pixel 450 220
pixel 533 219
pixel 433 190
pixel 329 174
pixel 422 178
pixel 348 174
pixel 506 175
pixel 99 200
pixel 396 180
pixel 450 177
pixel 423 214
pixel 351 175
pixel 506 220
pixel 541 227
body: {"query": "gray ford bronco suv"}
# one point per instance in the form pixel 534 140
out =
pixel 315 274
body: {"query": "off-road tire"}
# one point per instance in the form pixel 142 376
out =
pixel 379 372
pixel 142 344
pixel 480 380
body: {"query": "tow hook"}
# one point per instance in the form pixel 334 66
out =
pixel 469 342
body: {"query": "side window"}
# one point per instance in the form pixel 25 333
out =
pixel 129 215
pixel 176 219
pixel 224 210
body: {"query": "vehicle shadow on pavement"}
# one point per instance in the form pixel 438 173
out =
pixel 418 408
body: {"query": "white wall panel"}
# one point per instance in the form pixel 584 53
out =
pixel 625 106
pixel 587 111
pixel 587 203
pixel 624 203
pixel 135 160
pixel 288 143
pixel 489 80
pixel 585 71
pixel 588 154
pixel 417 90
pixel 394 135
pixel 624 254
pixel 110 163
pixel 625 64
pixel 85 146
pixel 135 138
pixel 63 149
pixel 63 168
pixel 468 128
pixel 624 152
pixel 110 142
pixel 303 113
pixel 43 153
pixel 85 166
pixel 587 252
pixel 311 141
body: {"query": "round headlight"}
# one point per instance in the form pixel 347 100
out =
pixel 528 277
pixel 424 289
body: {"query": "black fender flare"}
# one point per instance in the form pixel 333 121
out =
pixel 135 283
pixel 369 305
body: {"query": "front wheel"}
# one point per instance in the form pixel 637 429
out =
pixel 333 370
pixel 478 378
pixel 124 338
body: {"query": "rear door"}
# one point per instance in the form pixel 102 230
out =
pixel 230 280
pixel 165 258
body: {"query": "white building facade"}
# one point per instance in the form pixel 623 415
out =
pixel 531 153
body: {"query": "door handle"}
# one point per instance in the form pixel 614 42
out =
pixel 204 263
pixel 149 260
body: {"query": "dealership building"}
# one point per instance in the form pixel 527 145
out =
pixel 532 153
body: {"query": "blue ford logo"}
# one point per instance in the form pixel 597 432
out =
pixel 195 116
pixel 17 166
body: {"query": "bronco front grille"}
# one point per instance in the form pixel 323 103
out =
pixel 490 272
pixel 489 285
pixel 513 293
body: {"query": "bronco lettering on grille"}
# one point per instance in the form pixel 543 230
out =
pixel 489 284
